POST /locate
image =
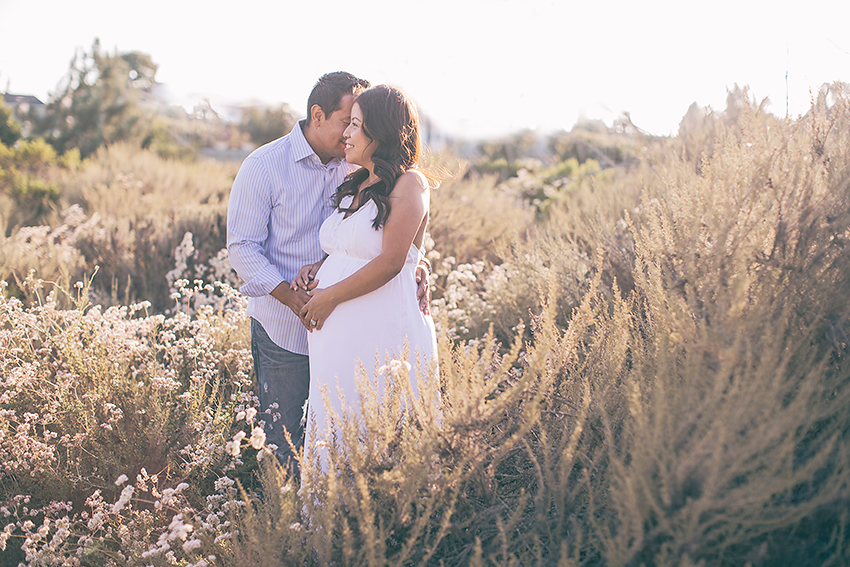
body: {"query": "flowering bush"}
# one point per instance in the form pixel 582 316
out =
pixel 91 395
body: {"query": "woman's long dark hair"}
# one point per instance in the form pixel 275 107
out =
pixel 389 119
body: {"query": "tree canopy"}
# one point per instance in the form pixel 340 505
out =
pixel 268 124
pixel 102 99
pixel 10 130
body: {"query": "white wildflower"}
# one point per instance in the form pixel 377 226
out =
pixel 258 438
pixel 395 368
pixel 223 482
pixel 179 529
pixel 126 494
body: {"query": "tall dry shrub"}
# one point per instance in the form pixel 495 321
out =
pixel 700 418
pixel 146 205
pixel 438 474
pixel 735 445
pixel 468 217
pixel 125 211
pixel 510 281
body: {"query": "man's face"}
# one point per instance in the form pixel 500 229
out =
pixel 330 130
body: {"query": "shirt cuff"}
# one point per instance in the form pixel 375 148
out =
pixel 263 283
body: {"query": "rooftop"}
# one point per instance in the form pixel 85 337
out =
pixel 20 99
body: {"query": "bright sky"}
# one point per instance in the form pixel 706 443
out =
pixel 475 67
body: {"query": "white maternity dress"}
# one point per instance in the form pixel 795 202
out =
pixel 380 322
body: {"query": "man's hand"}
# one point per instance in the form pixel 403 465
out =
pixel 295 299
pixel 423 290
pixel 306 278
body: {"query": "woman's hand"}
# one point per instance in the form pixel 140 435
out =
pixel 306 278
pixel 316 311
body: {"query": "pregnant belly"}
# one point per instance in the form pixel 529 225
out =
pixel 336 268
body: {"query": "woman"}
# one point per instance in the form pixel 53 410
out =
pixel 364 308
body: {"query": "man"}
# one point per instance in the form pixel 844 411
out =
pixel 280 197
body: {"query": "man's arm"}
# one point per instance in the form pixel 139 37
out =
pixel 423 289
pixel 248 217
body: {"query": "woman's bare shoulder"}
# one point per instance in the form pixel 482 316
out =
pixel 412 180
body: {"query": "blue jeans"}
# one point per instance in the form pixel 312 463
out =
pixel 283 378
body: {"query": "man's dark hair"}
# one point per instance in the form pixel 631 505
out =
pixel 329 90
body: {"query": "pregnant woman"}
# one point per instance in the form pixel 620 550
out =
pixel 365 303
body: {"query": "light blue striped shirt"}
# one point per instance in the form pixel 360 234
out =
pixel 280 198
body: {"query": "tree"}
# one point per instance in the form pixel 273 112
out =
pixel 24 181
pixel 102 99
pixel 269 124
pixel 10 130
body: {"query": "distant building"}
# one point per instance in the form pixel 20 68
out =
pixel 22 104
pixel 25 108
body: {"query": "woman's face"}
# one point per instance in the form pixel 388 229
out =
pixel 358 146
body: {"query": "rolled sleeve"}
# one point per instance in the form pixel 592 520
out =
pixel 263 282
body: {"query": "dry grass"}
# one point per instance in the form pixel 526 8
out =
pixel 650 368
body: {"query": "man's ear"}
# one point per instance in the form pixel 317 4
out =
pixel 317 115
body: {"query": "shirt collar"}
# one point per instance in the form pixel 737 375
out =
pixel 301 148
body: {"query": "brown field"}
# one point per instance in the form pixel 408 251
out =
pixel 643 361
